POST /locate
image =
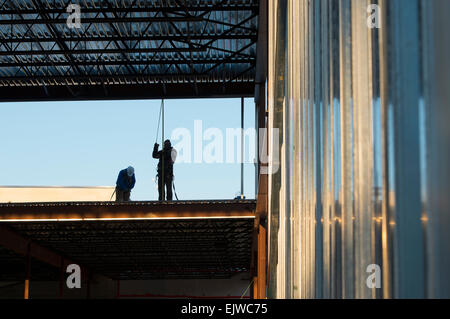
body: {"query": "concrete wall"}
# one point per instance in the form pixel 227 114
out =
pixel 54 194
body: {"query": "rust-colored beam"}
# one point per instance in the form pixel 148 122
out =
pixel 130 210
pixel 262 263
pixel 259 259
pixel 27 272
pixel 262 203
pixel 15 242
pixel 253 262
pixel 255 288
pixel 259 245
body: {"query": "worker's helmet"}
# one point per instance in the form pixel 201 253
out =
pixel 130 171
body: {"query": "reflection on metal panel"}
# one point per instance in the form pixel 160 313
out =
pixel 362 149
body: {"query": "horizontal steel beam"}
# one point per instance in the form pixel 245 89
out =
pixel 11 91
pixel 144 9
pixel 132 210
pixel 101 63
pixel 40 21
pixel 96 38
pixel 105 79
pixel 99 51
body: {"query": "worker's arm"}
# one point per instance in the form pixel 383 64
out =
pixel 156 154
pixel 133 182
pixel 174 155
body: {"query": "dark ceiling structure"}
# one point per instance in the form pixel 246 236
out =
pixel 127 49
pixel 141 249
pixel 128 241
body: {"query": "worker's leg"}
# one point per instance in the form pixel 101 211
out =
pixel 126 196
pixel 119 195
pixel 160 188
pixel 169 188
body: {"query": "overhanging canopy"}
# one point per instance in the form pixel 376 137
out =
pixel 133 240
pixel 128 49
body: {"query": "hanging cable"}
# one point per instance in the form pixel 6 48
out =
pixel 162 153
pixel 245 292
pixel 112 195
pixel 161 116
pixel 174 190
pixel 159 121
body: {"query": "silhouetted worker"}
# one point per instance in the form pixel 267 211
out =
pixel 170 155
pixel 124 185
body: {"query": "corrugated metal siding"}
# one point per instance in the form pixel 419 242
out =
pixel 127 49
pixel 362 143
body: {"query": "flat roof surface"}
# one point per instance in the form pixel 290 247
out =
pixel 128 210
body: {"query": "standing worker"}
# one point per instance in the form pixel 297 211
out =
pixel 165 168
pixel 124 185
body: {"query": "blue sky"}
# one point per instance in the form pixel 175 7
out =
pixel 87 143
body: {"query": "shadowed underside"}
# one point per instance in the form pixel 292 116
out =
pixel 161 241
pixel 128 49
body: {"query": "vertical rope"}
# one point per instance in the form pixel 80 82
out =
pixel 162 152
pixel 159 120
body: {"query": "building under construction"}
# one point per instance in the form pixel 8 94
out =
pixel 352 101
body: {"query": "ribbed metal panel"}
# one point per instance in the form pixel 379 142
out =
pixel 363 148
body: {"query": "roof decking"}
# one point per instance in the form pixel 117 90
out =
pixel 136 240
pixel 128 49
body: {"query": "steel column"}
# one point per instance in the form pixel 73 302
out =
pixel 262 263
pixel 27 271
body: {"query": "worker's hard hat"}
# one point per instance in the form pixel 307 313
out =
pixel 130 171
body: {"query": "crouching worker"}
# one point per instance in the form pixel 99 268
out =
pixel 124 185
pixel 165 168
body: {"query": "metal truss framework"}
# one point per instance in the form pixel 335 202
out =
pixel 143 249
pixel 135 240
pixel 128 49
